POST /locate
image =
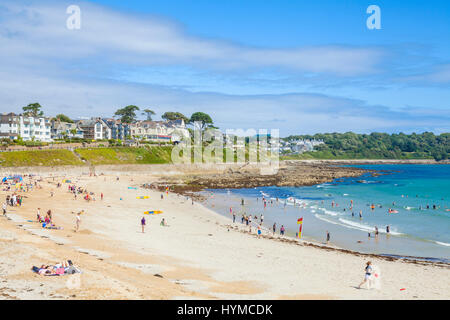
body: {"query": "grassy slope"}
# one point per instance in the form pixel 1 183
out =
pixel 38 158
pixel 122 155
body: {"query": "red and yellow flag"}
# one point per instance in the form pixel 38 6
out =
pixel 300 222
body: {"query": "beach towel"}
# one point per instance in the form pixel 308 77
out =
pixel 153 212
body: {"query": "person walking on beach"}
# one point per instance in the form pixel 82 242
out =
pixel 234 217
pixel 328 237
pixel 4 205
pixel 282 230
pixel 101 195
pixel 49 215
pixel 368 273
pixel 78 222
pixel 143 224
pixel 274 228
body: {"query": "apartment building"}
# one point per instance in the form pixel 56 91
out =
pixel 94 129
pixel 119 130
pixel 28 128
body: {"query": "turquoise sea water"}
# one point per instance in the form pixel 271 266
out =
pixel 414 231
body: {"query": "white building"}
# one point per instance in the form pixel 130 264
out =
pixel 13 126
pixel 165 131
pixel 94 129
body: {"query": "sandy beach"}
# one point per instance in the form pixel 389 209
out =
pixel 200 255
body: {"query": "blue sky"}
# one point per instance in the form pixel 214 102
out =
pixel 297 66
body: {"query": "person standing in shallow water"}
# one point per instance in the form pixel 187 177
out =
pixel 328 237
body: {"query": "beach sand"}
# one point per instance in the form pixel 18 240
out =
pixel 200 255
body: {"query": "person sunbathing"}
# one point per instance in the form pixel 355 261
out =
pixel 46 270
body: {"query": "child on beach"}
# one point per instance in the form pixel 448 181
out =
pixel 282 230
pixel 78 221
pixel 143 224
pixel 368 275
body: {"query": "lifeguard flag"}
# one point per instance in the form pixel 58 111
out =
pixel 300 222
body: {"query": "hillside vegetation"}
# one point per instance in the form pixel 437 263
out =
pixel 121 155
pixel 38 158
pixel 377 146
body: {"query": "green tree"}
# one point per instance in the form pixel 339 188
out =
pixel 63 118
pixel 148 113
pixel 33 110
pixel 175 116
pixel 202 117
pixel 127 114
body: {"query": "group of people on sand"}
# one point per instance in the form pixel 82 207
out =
pixel 88 196
pixel 13 200
pixel 65 267
pixel 163 223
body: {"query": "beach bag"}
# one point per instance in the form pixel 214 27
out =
pixel 72 270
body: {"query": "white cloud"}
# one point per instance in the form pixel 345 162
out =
pixel 64 70
pixel 39 31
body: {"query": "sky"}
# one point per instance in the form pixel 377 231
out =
pixel 302 67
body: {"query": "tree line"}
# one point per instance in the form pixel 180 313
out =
pixel 128 115
pixel 376 145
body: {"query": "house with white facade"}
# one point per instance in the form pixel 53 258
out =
pixel 94 129
pixel 28 128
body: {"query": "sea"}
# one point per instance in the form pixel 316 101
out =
pixel 413 200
